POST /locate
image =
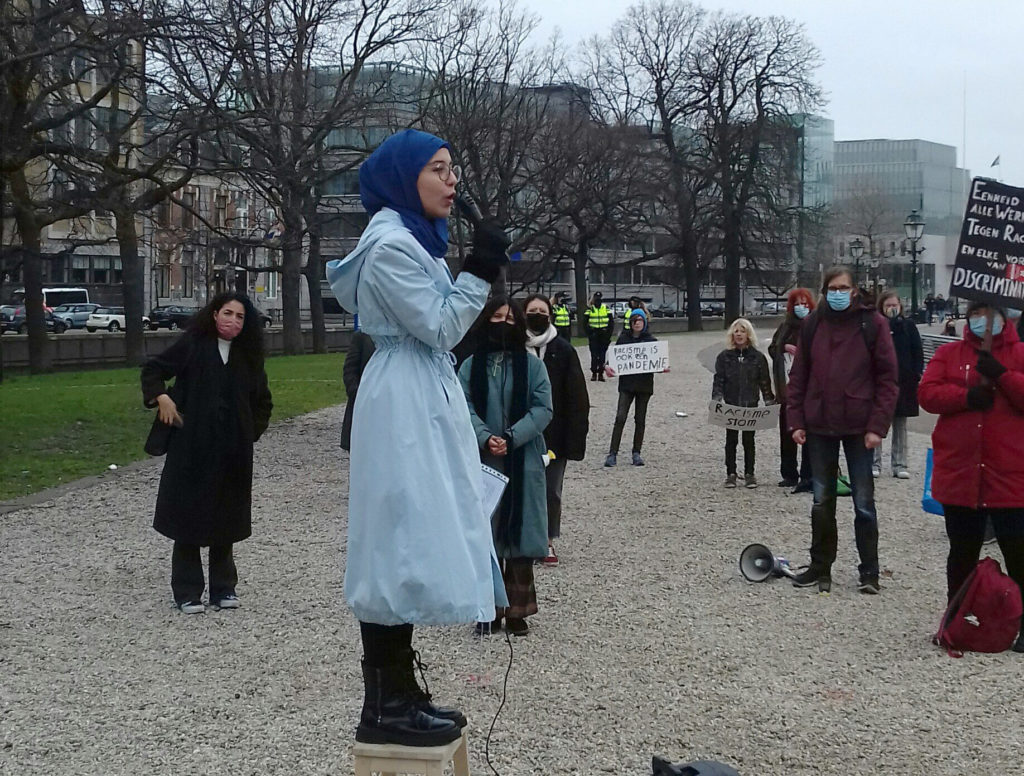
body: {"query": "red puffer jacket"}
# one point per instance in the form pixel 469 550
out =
pixel 979 456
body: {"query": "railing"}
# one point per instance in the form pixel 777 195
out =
pixel 932 342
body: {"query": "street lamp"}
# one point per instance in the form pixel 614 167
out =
pixel 914 227
pixel 856 252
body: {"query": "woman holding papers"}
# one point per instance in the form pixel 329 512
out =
pixel 509 397
pixel 419 544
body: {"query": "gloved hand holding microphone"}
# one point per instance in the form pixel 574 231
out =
pixel 488 253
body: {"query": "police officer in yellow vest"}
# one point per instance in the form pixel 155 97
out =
pixel 600 323
pixel 561 312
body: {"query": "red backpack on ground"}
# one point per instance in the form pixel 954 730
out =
pixel 984 615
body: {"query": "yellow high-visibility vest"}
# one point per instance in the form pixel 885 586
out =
pixel 561 316
pixel 598 317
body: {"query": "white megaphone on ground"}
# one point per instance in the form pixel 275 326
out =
pixel 757 564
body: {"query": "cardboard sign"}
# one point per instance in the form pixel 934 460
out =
pixel 990 258
pixel 743 418
pixel 639 358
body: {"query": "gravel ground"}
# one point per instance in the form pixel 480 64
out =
pixel 647 642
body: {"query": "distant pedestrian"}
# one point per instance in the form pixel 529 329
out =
pixel 842 391
pixel 221 404
pixel 799 304
pixel 940 308
pixel 949 330
pixel 910 360
pixel 742 378
pixel 929 306
pixel 509 397
pixel 566 434
pixel 978 441
pixel 600 323
pixel 633 389
pixel 360 349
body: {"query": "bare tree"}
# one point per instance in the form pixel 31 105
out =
pixel 281 76
pixel 640 76
pixel 869 213
pixel 749 76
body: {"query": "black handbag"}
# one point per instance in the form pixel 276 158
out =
pixel 159 438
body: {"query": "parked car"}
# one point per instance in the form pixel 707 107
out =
pixel 664 311
pixel 75 315
pixel 772 308
pixel 172 316
pixel 12 318
pixel 109 318
pixel 619 309
pixel 712 308
pixel 265 320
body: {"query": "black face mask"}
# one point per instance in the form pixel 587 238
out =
pixel 538 322
pixel 504 335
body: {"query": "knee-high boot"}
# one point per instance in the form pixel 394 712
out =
pixel 390 715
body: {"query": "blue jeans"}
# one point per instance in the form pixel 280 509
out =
pixel 824 456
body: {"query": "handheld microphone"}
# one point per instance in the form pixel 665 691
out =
pixel 469 209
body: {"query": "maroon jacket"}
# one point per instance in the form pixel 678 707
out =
pixel 843 389
pixel 979 456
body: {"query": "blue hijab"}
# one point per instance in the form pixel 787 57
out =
pixel 388 179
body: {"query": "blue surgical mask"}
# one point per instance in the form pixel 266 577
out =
pixel 801 310
pixel 838 300
pixel 978 326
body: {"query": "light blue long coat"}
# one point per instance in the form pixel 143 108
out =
pixel 527 432
pixel 419 544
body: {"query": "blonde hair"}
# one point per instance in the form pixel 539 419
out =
pixel 744 324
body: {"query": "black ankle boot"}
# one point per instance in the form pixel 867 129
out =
pixel 391 716
pixel 421 695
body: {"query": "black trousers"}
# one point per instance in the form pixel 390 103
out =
pixel 788 452
pixel 732 438
pixel 598 352
pixel 639 419
pixel 965 528
pixel 187 581
pixel 385 645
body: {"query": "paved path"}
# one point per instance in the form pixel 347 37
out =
pixel 647 641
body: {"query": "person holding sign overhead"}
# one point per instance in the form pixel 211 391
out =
pixel 632 388
pixel 742 377
pixel 979 444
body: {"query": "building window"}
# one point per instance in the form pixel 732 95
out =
pixel 187 282
pixel 162 276
pixel 343 183
pixel 842 249
pixel 188 203
pixel 116 274
pixel 271 285
pixel 79 269
pixel 220 206
pixel 101 270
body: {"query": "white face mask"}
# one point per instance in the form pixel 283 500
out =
pixel 801 310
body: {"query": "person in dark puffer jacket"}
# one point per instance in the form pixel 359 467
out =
pixel 742 377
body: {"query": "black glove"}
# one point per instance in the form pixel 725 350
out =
pixel 487 255
pixel 989 366
pixel 980 397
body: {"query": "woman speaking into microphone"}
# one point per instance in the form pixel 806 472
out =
pixel 419 544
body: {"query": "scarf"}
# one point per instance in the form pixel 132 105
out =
pixel 539 342
pixel 388 179
pixel 509 529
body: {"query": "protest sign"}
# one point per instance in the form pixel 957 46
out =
pixel 640 357
pixel 990 258
pixel 743 418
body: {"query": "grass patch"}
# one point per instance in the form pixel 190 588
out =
pixel 60 427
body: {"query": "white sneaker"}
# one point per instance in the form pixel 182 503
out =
pixel 875 472
pixel 229 601
pixel 903 474
pixel 192 607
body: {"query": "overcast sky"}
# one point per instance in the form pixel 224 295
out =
pixel 891 68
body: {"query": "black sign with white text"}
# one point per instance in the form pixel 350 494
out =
pixel 990 258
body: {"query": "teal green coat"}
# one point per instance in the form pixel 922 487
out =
pixel 528 432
